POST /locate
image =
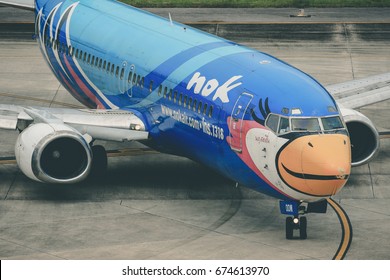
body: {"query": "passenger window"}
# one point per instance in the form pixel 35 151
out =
pixel 117 72
pixel 284 125
pixel 112 69
pixel 189 103
pixel 160 90
pixel 89 59
pixel 204 109
pixel 272 122
pixel 180 98
pixel 142 82
pixel 122 73
pixel 170 94
pixel 129 77
pixel 108 66
pixel 134 78
pixel 211 111
pixel 165 92
pixel 185 101
pixel 175 96
pixel 151 86
pixel 194 107
pixel 200 106
pixel 93 60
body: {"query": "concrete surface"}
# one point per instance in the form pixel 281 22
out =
pixel 165 207
pixel 252 15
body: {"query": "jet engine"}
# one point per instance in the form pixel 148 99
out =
pixel 363 134
pixel 53 153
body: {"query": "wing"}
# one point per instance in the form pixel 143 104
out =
pixel 355 94
pixel 111 125
pixel 358 93
pixel 56 145
pixel 21 4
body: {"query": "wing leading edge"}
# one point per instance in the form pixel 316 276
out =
pixel 358 93
pixel 111 125
pixel 21 4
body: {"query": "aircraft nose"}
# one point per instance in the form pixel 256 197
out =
pixel 317 165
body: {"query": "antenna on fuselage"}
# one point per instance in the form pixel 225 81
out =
pixel 170 19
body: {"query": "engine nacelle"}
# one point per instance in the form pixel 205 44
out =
pixel 53 153
pixel 363 134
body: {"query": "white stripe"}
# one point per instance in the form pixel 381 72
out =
pixel 108 102
pixel 190 66
pixel 56 39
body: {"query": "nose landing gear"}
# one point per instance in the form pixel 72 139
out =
pixel 296 223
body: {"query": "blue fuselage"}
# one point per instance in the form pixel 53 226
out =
pixel 199 96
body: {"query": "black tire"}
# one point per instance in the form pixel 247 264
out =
pixel 302 228
pixel 99 161
pixel 289 228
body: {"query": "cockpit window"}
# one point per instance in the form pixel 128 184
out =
pixel 332 123
pixel 305 124
pixel 272 122
pixel 284 125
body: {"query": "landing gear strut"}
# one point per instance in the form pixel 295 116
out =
pixel 99 162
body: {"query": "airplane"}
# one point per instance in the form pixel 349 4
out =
pixel 245 114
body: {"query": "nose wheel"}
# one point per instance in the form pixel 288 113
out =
pixel 297 220
pixel 296 223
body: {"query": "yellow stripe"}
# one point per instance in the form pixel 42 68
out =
pixel 131 152
pixel 7 161
pixel 346 239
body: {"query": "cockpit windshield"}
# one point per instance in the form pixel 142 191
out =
pixel 332 123
pixel 281 125
pixel 305 124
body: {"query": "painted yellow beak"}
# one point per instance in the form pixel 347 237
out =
pixel 317 165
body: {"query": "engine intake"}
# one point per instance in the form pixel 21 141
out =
pixel 54 153
pixel 364 136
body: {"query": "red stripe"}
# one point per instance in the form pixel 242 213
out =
pixel 83 87
pixel 75 93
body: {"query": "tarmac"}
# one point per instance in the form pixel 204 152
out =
pixel 157 206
